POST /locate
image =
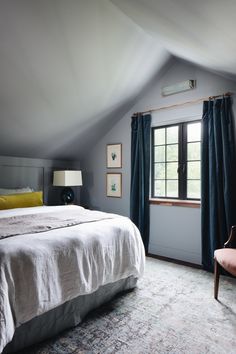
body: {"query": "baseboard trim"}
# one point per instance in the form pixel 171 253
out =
pixel 176 261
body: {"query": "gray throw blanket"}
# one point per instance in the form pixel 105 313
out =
pixel 34 223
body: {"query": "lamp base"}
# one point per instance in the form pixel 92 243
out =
pixel 67 195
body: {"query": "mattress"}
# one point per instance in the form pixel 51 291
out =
pixel 44 270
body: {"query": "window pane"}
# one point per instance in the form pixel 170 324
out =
pixel 194 170
pixel 160 153
pixel 172 189
pixel 160 171
pixel 172 152
pixel 171 170
pixel 194 132
pixel 193 189
pixel 159 136
pixel 160 188
pixel 194 151
pixel 166 147
pixel 172 135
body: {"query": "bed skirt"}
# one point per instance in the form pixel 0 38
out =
pixel 65 316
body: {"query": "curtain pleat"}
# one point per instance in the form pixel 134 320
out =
pixel 218 200
pixel 140 174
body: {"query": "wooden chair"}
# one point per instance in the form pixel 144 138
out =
pixel 225 258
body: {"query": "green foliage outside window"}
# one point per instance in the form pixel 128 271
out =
pixel 176 161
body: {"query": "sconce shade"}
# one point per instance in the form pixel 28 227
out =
pixel 179 87
pixel 67 178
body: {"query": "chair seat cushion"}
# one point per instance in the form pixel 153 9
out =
pixel 226 257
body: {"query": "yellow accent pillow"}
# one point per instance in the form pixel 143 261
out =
pixel 23 200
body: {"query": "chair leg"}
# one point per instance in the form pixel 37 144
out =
pixel 216 279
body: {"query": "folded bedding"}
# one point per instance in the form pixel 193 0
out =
pixel 75 256
pixel 34 223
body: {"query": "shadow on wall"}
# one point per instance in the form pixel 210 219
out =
pixel 54 196
pixel 88 180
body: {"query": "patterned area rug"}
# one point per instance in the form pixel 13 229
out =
pixel 171 311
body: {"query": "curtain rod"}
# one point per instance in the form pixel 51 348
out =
pixel 184 103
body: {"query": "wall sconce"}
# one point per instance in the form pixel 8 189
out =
pixel 179 87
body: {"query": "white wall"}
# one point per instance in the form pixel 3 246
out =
pixel 174 231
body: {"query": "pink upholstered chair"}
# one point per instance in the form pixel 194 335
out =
pixel 225 258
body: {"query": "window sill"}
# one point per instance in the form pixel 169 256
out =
pixel 176 202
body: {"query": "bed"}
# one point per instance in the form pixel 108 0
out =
pixel 57 263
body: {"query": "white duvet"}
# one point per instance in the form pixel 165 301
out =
pixel 39 272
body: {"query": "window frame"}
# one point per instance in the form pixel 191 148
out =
pixel 182 161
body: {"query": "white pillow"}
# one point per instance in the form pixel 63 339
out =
pixel 4 191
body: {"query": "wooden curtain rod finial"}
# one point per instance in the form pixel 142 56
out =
pixel 227 94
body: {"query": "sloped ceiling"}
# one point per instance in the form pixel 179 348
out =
pixel 69 69
pixel 66 68
pixel 201 31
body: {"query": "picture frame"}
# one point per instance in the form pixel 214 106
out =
pixel 114 185
pixel 114 155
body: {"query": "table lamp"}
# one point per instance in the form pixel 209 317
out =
pixel 67 179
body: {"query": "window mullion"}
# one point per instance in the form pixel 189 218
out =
pixel 180 168
pixel 165 162
pixel 153 164
pixel 160 166
pixel 184 160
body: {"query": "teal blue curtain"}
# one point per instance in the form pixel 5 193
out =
pixel 140 174
pixel 218 200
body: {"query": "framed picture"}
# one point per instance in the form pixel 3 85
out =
pixel 114 155
pixel 114 185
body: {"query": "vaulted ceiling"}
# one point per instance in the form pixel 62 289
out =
pixel 69 69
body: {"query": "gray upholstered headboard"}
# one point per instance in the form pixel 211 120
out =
pixel 12 176
pixel 19 172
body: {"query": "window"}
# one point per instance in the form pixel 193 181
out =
pixel 176 161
